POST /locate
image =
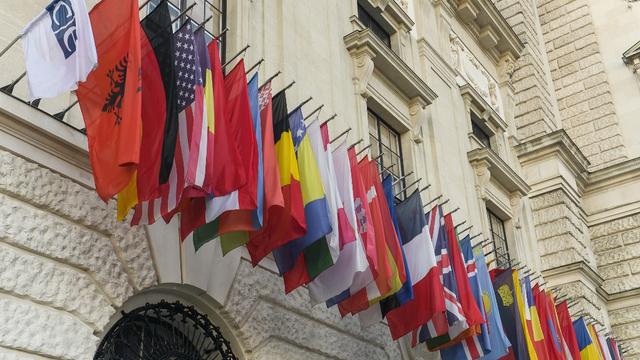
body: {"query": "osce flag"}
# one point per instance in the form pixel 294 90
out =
pixel 59 49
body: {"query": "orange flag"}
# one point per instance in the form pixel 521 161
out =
pixel 110 99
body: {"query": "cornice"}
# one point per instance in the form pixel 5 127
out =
pixel 35 128
pixel 555 143
pixel 613 175
pixel 395 10
pixel 582 268
pixel 500 170
pixel 491 28
pixel 360 42
pixel 440 65
pixel 487 112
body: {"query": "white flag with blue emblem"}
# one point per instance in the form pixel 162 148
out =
pixel 59 49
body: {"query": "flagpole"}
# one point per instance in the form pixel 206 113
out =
pixel 363 150
pixel 271 78
pixel 445 202
pixel 236 55
pixel 224 31
pixel 387 168
pixel 452 211
pixel 340 135
pixel 61 114
pixel 329 119
pixel 10 44
pixel 465 229
pixel 355 143
pixel 202 23
pixel 9 88
pixel 410 185
pixel 299 106
pixel 313 112
pixel 254 66
pixel 435 199
pixel 288 86
pixel 402 177
pixel 425 188
pixel 460 224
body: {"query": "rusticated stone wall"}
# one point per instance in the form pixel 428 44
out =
pixel 581 85
pixel 65 265
pixel 616 244
pixel 534 110
pixel 625 325
pixel 562 232
pixel 272 325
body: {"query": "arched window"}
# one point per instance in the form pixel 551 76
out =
pixel 163 330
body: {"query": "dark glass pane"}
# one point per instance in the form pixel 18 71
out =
pixel 499 237
pixel 385 140
pixel 377 29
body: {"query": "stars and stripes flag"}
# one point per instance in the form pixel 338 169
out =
pixel 188 168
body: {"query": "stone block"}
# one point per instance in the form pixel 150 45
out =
pixel 590 60
pixel 624 315
pixel 612 155
pixel 606 243
pixel 614 271
pixel 51 283
pixel 598 97
pixel 578 131
pixel 618 255
pixel 569 90
pixel 49 235
pixel 36 329
pixel 631 236
pixel 606 120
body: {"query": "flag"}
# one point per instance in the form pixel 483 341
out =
pixel 567 330
pixel 289 223
pixel 390 273
pixel 603 346
pixel 59 48
pixel 596 341
pixel 364 285
pixel 476 346
pixel 225 174
pixel 304 258
pixel 505 288
pixel 427 290
pixel 552 336
pixel 465 297
pixel 586 345
pixel 351 261
pixel 533 319
pixel 498 339
pixel 523 307
pixel 453 322
pixel 188 89
pixel 159 111
pixel 236 211
pixel 613 349
pixel 110 99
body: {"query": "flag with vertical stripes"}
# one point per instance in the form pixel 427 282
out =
pixel 533 319
pixel 351 259
pixel 289 223
pixel 586 343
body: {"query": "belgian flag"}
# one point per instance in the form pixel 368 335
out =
pixel 290 223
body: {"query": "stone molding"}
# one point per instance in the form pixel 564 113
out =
pixel 366 49
pixel 439 65
pixel 392 12
pixel 491 29
pixel 499 170
pixel 471 72
pixel 486 112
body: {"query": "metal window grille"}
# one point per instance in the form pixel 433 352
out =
pixel 499 237
pixel 385 140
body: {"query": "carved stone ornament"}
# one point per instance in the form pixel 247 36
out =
pixel 416 112
pixel 516 208
pixel 506 68
pixel 471 71
pixel 483 176
pixel 363 70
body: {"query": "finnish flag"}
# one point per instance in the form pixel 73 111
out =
pixel 59 49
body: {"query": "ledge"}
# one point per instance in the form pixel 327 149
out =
pixel 365 43
pixel 581 268
pixel 486 110
pixel 489 26
pixel 499 170
pixel 557 142
pixel 29 131
pixel 613 175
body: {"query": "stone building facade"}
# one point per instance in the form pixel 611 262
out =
pixel 521 113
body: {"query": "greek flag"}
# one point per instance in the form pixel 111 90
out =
pixel 59 49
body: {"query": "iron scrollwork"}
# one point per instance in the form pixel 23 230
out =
pixel 164 331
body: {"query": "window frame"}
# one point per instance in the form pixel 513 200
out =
pixel 501 252
pixel 380 147
pixel 371 23
pixel 483 136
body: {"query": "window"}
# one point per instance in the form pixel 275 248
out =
pixel 385 140
pixel 478 131
pixel 369 22
pixel 499 237
pixel 174 11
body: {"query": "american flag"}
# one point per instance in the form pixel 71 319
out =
pixel 190 158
